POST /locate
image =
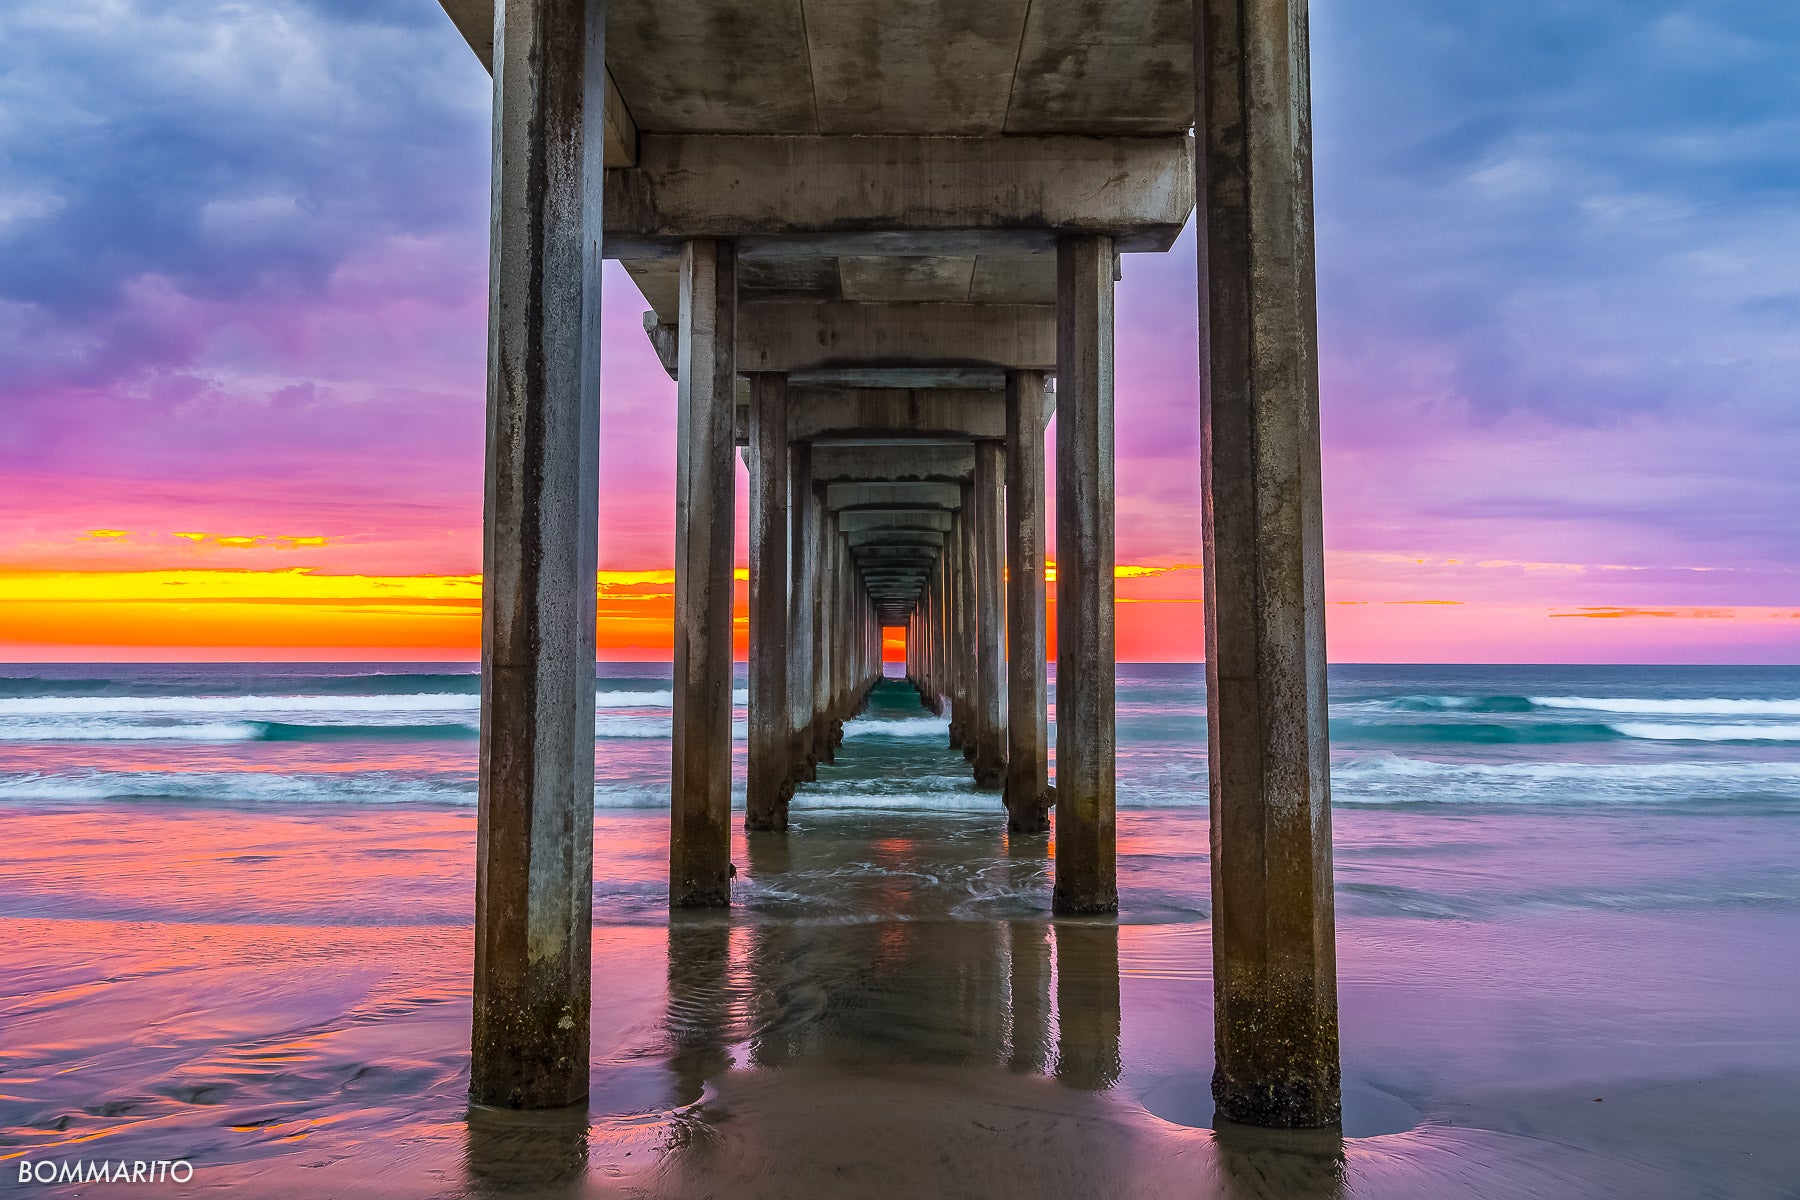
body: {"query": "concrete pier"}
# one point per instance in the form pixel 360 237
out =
pixel 768 780
pixel 866 236
pixel 801 502
pixel 535 828
pixel 1274 945
pixel 988 495
pixel 1027 793
pixel 963 631
pixel 700 780
pixel 1085 857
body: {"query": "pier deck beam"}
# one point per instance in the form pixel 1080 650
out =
pixel 768 782
pixel 1275 973
pixel 1027 792
pixel 700 795
pixel 535 826
pixel 990 665
pixel 1086 867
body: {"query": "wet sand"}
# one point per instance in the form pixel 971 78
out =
pixel 281 998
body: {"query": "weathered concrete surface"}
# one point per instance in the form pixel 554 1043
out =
pixel 892 536
pixel 700 784
pixel 893 461
pixel 963 630
pixel 989 494
pixel 801 501
pixel 1027 789
pixel 893 495
pixel 796 335
pixel 1138 189
pixel 474 19
pixel 896 519
pixel 768 782
pixel 890 412
pixel 892 66
pixel 534 831
pixel 1086 867
pixel 825 631
pixel 1274 954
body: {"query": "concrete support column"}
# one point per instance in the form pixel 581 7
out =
pixel 801 502
pixel 1274 952
pixel 1028 692
pixel 955 628
pixel 700 796
pixel 1086 870
pixel 534 833
pixel 768 782
pixel 990 668
pixel 940 625
pixel 822 567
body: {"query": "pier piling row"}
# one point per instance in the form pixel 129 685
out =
pixel 865 260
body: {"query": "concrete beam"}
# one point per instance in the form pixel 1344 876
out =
pixel 801 335
pixel 897 519
pixel 895 537
pixel 1139 190
pixel 941 463
pixel 983 378
pixel 893 495
pixel 823 413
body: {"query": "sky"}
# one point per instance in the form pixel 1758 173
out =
pixel 243 334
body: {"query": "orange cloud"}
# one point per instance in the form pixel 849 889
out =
pixel 1683 614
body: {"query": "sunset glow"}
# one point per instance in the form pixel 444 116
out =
pixel 246 418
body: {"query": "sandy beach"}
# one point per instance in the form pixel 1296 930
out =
pixel 280 997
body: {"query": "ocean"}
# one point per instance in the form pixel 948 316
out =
pixel 360 733
pixel 236 906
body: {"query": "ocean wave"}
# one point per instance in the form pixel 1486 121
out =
pixel 1710 733
pixel 1391 779
pixel 60 706
pixel 606 725
pixel 1468 704
pixel 63 706
pixel 231 787
pixel 279 731
pixel 1477 733
pixel 1717 706
pixel 1550 733
pixel 110 731
pixel 904 727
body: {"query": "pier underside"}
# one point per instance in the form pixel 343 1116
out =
pixel 877 242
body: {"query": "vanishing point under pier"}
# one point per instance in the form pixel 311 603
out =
pixel 877 242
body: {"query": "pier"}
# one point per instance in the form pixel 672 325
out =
pixel 877 242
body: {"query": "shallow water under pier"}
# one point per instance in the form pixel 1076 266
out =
pixel 1565 993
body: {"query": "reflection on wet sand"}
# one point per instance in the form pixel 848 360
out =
pixel 543 1152
pixel 895 1048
